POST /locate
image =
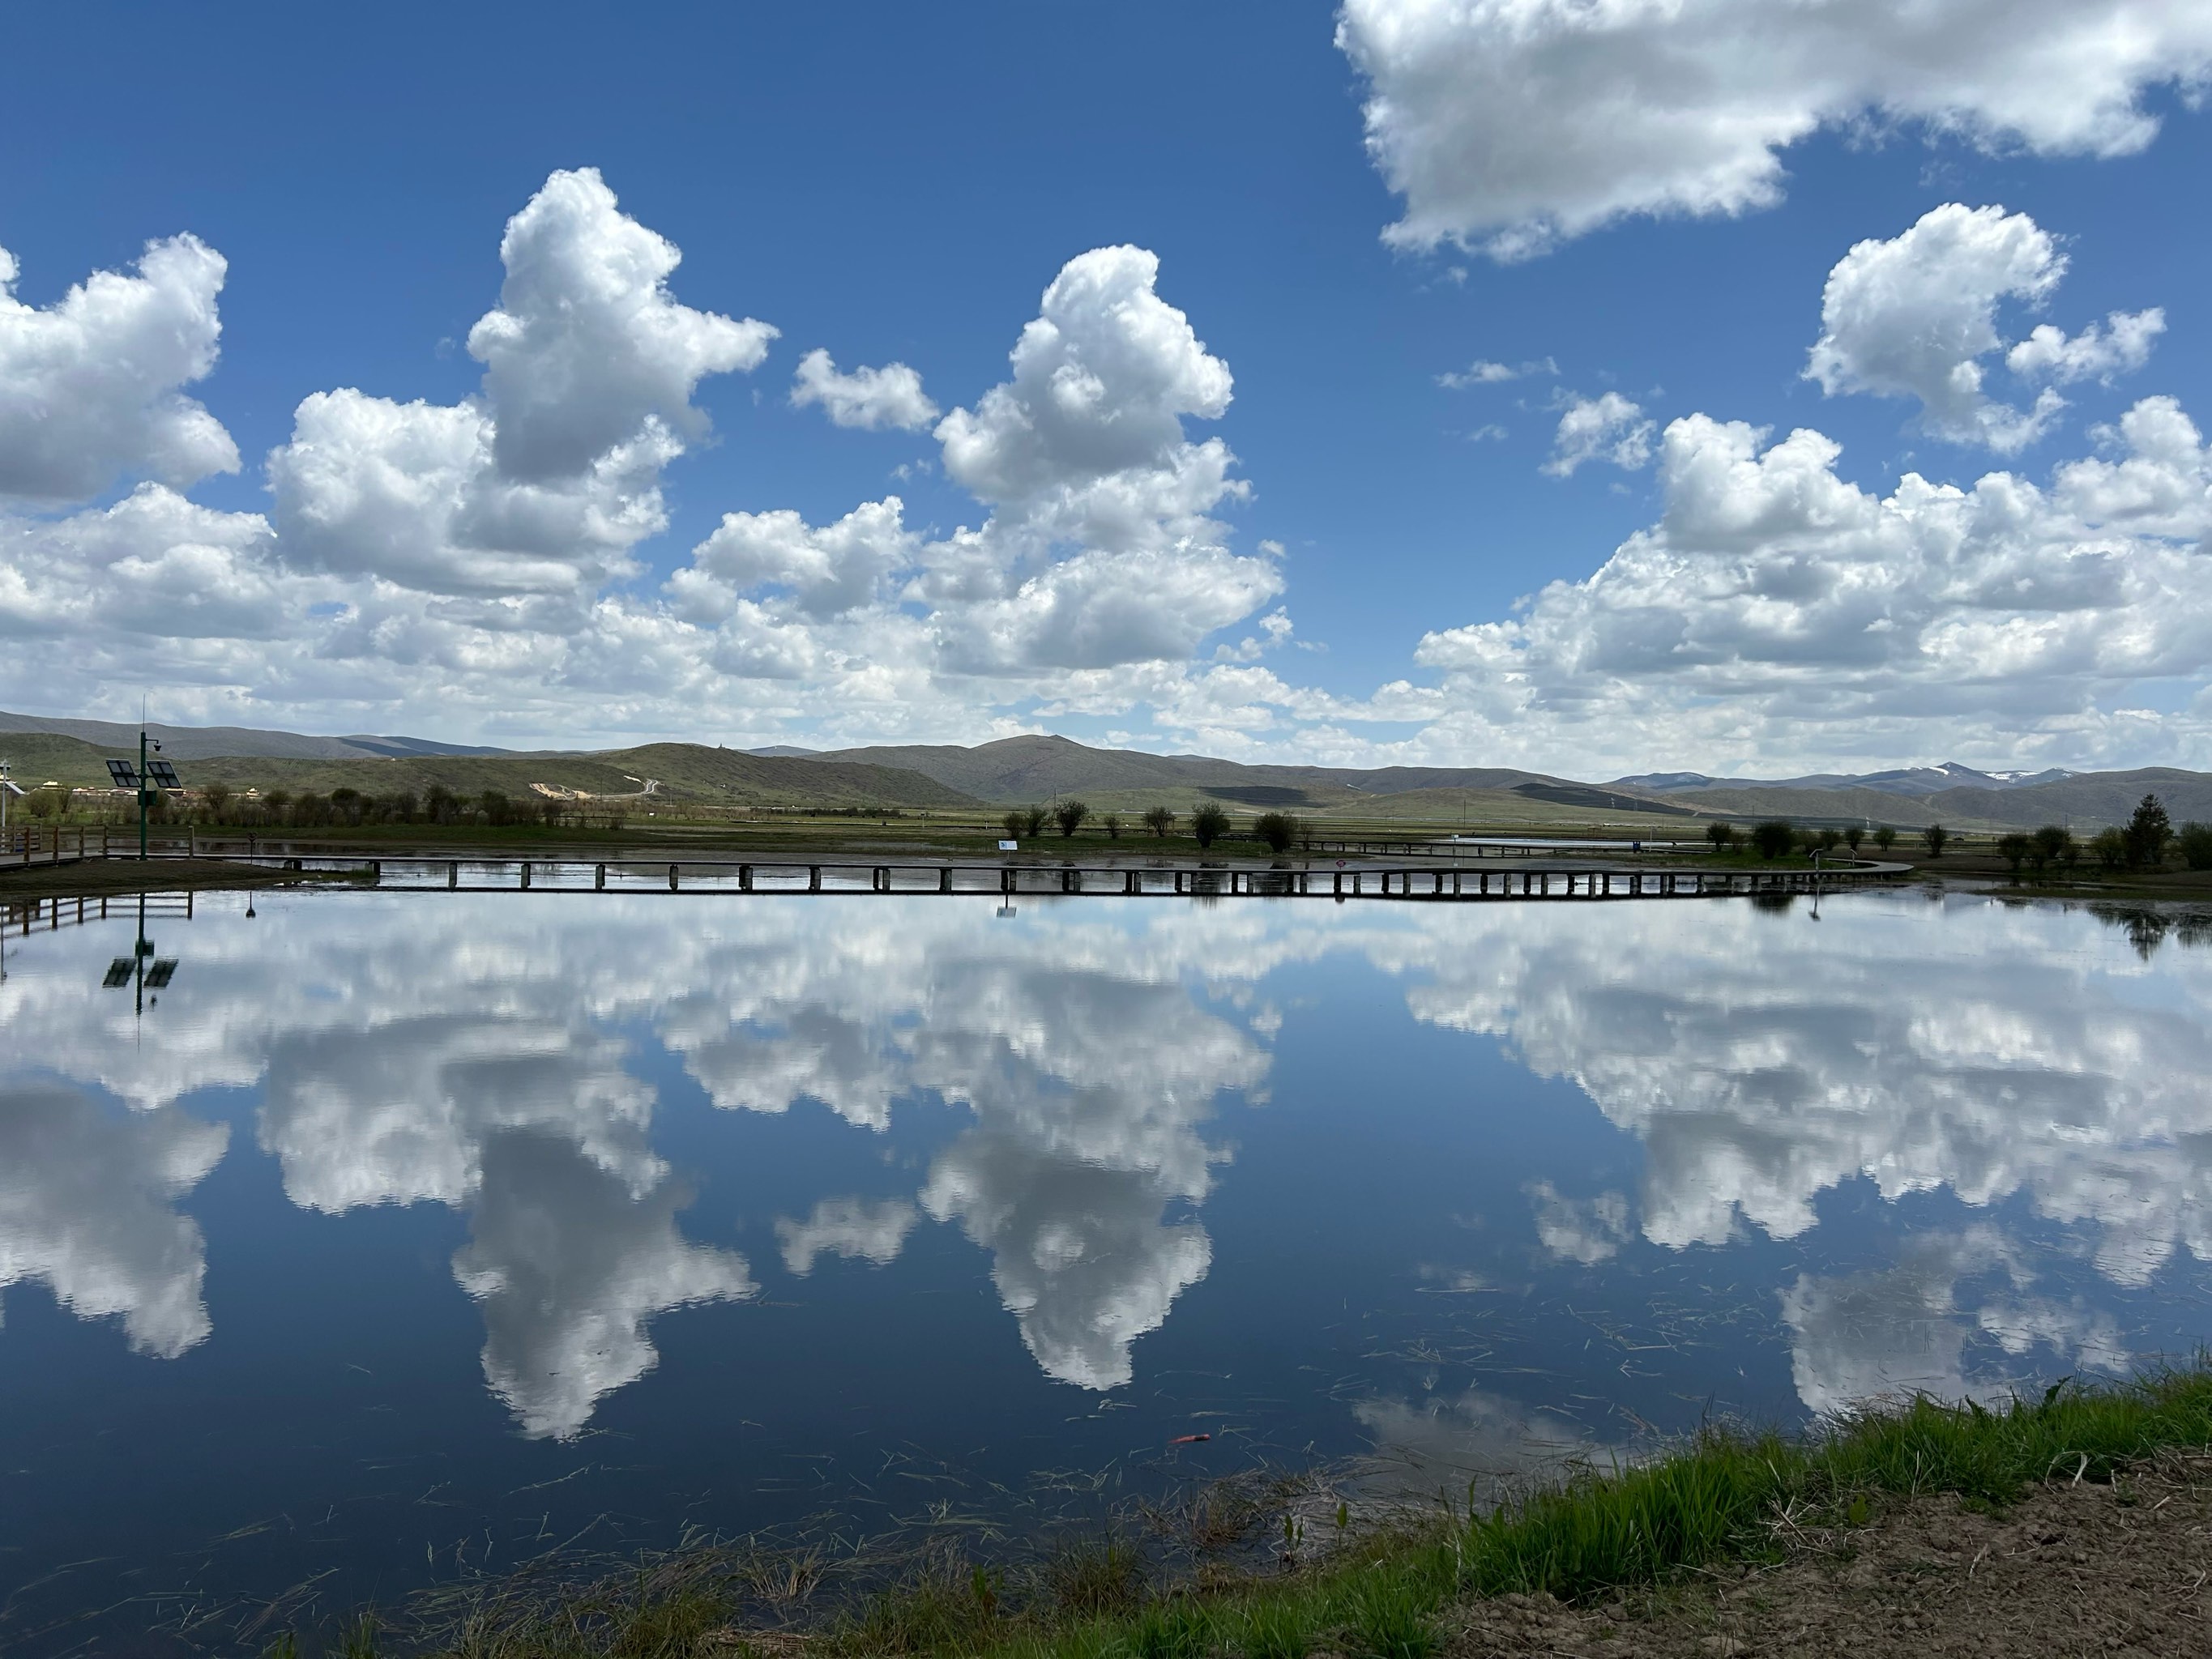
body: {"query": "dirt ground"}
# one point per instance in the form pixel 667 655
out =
pixel 2070 1570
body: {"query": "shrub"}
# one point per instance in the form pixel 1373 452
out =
pixel 2054 844
pixel 1111 823
pixel 1159 820
pixel 1069 815
pixel 1722 836
pixel 2148 832
pixel 2014 850
pixel 1885 837
pixel 1279 829
pixel 1033 821
pixel 1772 838
pixel 1209 823
pixel 1938 838
pixel 1853 836
pixel 2111 848
pixel 1015 824
pixel 2195 842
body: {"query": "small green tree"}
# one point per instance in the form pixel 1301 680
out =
pixel 1722 836
pixel 1015 824
pixel 2194 845
pixel 2054 844
pixel 1159 820
pixel 1069 815
pixel 1278 829
pixel 2148 832
pixel 216 799
pixel 1209 823
pixel 1853 836
pixel 1111 823
pixel 1885 837
pixel 1033 821
pixel 1938 838
pixel 2110 846
pixel 2013 849
pixel 1830 839
pixel 1773 838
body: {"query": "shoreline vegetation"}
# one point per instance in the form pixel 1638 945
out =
pixel 1627 1558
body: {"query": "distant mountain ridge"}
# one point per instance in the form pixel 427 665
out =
pixel 1036 770
pixel 211 742
pixel 1901 781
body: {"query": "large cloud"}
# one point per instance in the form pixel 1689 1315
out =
pixel 1914 315
pixel 89 385
pixel 1508 124
pixel 1099 550
pixel 1985 1049
pixel 569 1264
pixel 544 483
pixel 88 1198
pixel 1775 604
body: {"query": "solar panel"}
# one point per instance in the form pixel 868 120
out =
pixel 118 972
pixel 124 774
pixel 162 775
pixel 158 976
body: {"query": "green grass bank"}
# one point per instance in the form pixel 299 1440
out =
pixel 1382 1590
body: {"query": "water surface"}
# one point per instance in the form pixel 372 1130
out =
pixel 399 1233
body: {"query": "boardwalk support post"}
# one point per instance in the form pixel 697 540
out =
pixel 599 879
pixel 671 877
pixel 453 875
pixel 813 877
pixel 525 873
pixel 945 879
pixel 744 879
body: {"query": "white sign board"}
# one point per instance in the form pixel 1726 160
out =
pixel 1009 847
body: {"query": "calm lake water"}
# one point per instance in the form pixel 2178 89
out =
pixel 405 1231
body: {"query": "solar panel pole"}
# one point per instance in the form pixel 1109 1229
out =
pixel 142 794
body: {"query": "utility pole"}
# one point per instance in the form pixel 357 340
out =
pixel 143 790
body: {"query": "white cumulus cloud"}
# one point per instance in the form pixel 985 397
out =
pixel 1608 428
pixel 1509 125
pixel 88 387
pixel 543 484
pixel 867 397
pixel 587 343
pixel 1913 316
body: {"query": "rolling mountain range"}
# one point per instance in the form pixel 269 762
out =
pixel 1037 769
pixel 1903 781
pixel 207 742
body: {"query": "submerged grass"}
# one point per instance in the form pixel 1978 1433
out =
pixel 1725 1496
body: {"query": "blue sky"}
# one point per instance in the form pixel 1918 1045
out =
pixel 899 185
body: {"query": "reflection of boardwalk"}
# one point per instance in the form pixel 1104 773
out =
pixel 1429 883
pixel 28 915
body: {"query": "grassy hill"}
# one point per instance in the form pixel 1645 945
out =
pixel 208 742
pixel 684 772
pixel 2086 801
pixel 1017 770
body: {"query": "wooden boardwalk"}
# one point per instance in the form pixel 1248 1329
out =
pixel 1412 883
